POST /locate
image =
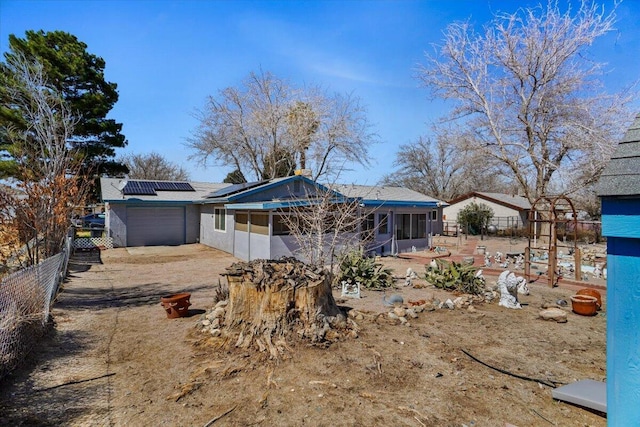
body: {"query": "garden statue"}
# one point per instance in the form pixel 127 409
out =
pixel 508 287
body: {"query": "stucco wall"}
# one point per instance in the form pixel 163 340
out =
pixel 192 226
pixel 222 240
pixel 259 246
pixel 288 246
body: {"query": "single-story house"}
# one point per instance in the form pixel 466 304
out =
pixel 509 211
pixel 247 221
pixel 619 189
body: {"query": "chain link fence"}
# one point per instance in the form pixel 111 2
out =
pixel 25 301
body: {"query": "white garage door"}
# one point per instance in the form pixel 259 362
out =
pixel 155 226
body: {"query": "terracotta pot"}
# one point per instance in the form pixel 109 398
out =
pixel 592 293
pixel 585 305
pixel 176 305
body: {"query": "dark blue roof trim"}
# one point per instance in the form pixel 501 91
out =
pixel 400 203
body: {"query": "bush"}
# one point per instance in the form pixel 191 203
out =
pixel 355 267
pixel 475 217
pixel 454 276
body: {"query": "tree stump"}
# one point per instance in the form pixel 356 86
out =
pixel 270 299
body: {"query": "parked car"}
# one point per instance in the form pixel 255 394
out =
pixel 93 220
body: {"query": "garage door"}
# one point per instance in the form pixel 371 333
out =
pixel 155 226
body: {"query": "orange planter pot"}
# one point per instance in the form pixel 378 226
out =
pixel 592 293
pixel 176 305
pixel 584 304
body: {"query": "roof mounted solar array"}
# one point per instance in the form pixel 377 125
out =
pixel 149 188
pixel 235 188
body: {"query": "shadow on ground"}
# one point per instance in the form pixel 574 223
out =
pixel 132 296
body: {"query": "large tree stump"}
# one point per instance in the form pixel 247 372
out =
pixel 270 299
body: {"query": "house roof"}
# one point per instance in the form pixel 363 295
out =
pixel 387 195
pixel 234 196
pixel 112 191
pixel 518 203
pixel 621 176
pixel 259 187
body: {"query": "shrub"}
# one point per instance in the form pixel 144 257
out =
pixel 475 217
pixel 355 267
pixel 454 276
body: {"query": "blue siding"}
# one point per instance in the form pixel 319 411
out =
pixel 621 218
pixel 623 330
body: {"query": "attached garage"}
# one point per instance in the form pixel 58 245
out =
pixel 155 226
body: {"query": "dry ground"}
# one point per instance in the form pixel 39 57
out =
pixel 114 358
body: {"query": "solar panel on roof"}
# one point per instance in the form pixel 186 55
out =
pixel 183 186
pixel 173 186
pixel 139 188
pixel 235 188
pixel 164 186
pixel 149 188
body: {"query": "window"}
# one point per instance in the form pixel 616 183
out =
pixel 383 223
pixel 421 231
pixel 368 225
pixel 280 226
pixel 434 215
pixel 260 223
pixel 368 222
pixel 411 226
pixel 403 222
pixel 242 221
pixel 219 219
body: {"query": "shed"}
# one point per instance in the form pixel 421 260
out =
pixel 619 190
pixel 509 211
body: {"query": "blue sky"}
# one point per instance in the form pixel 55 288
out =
pixel 168 56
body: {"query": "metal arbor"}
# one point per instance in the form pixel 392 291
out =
pixel 551 218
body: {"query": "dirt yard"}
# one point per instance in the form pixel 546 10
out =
pixel 113 358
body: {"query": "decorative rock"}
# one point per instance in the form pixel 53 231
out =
pixel 403 320
pixel 411 313
pixel 400 311
pixel 553 313
pixel 216 332
pixel 359 316
pixel 471 309
pixel 206 322
pixel 222 303
pixel 215 323
pixel 459 302
pixel 332 335
pixel 419 308
pixel 393 316
pixel 489 296
pixel 449 304
pixel 218 313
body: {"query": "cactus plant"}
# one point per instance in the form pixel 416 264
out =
pixel 454 276
pixel 355 267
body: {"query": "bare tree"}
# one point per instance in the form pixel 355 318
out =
pixel 527 94
pixel 302 125
pixel 40 203
pixel 323 223
pixel 266 126
pixel 153 166
pixel 443 168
